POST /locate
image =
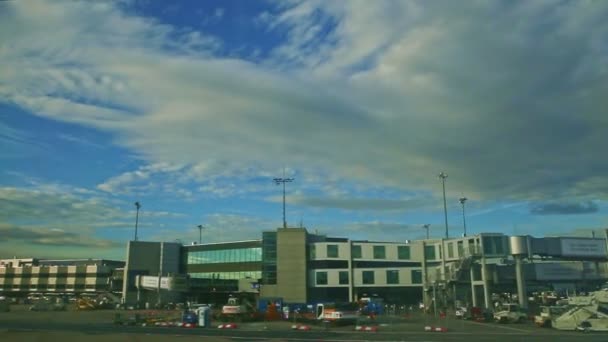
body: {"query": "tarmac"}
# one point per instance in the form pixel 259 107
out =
pixel 97 326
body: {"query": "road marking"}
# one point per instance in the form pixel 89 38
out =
pixel 502 327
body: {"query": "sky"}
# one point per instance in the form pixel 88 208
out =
pixel 192 108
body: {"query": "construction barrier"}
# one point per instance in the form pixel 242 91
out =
pixel 227 326
pixel 300 327
pixel 435 329
pixel 372 328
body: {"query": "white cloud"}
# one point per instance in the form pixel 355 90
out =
pixel 507 98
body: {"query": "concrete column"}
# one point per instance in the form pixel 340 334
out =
pixel 425 298
pixel 486 284
pixel 351 282
pixel 473 294
pixel 521 282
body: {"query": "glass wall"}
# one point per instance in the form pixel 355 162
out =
pixel 225 256
pixel 269 262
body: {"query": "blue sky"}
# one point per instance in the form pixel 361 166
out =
pixel 193 107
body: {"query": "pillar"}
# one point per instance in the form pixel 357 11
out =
pixel 473 294
pixel 521 282
pixel 486 284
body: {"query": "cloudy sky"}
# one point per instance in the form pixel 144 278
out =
pixel 193 107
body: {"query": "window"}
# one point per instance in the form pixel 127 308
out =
pixel 416 277
pixel 356 251
pixel 403 252
pixel 343 278
pixel 321 278
pixel 379 252
pixel 313 252
pixel 450 250
pixel 332 251
pixel 392 277
pixel 368 277
pixel 429 252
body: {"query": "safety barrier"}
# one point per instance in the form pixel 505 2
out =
pixel 371 328
pixel 300 327
pixel 435 329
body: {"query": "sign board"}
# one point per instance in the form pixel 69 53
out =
pixel 558 271
pixel 166 283
pixel 148 281
pixel 572 247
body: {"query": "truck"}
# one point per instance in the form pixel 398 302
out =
pixel 238 308
pixel 338 313
pixel 547 314
pixel 510 313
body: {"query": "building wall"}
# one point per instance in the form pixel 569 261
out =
pixel 53 278
pixel 292 264
pixel 144 258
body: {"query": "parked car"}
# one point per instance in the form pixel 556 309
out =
pixel 461 312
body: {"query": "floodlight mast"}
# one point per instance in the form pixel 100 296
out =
pixel 283 180
pixel 443 176
pixel 426 226
pixel 462 200
pixel 200 234
pixel 137 206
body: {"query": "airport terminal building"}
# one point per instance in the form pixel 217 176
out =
pixel 300 267
pixel 19 277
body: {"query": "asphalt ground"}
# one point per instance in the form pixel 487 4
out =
pixel 97 326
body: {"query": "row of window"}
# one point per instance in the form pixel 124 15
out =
pixel 379 252
pixel 225 256
pixel 51 287
pixel 227 275
pixel 52 275
pixel 368 277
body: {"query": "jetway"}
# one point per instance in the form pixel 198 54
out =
pixel 169 283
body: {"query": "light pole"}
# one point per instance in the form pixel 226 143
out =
pixel 283 181
pixel 137 206
pixel 426 226
pixel 443 176
pixel 200 234
pixel 464 220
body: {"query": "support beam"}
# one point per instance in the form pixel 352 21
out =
pixel 486 284
pixel 521 282
pixel 473 294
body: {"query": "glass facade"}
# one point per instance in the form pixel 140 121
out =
pixel 392 277
pixel 379 252
pixel 356 252
pixel 403 252
pixel 494 245
pixel 321 278
pixel 222 256
pixel 343 278
pixel 416 277
pixel 269 259
pixel 227 275
pixel 332 251
pixel 368 277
